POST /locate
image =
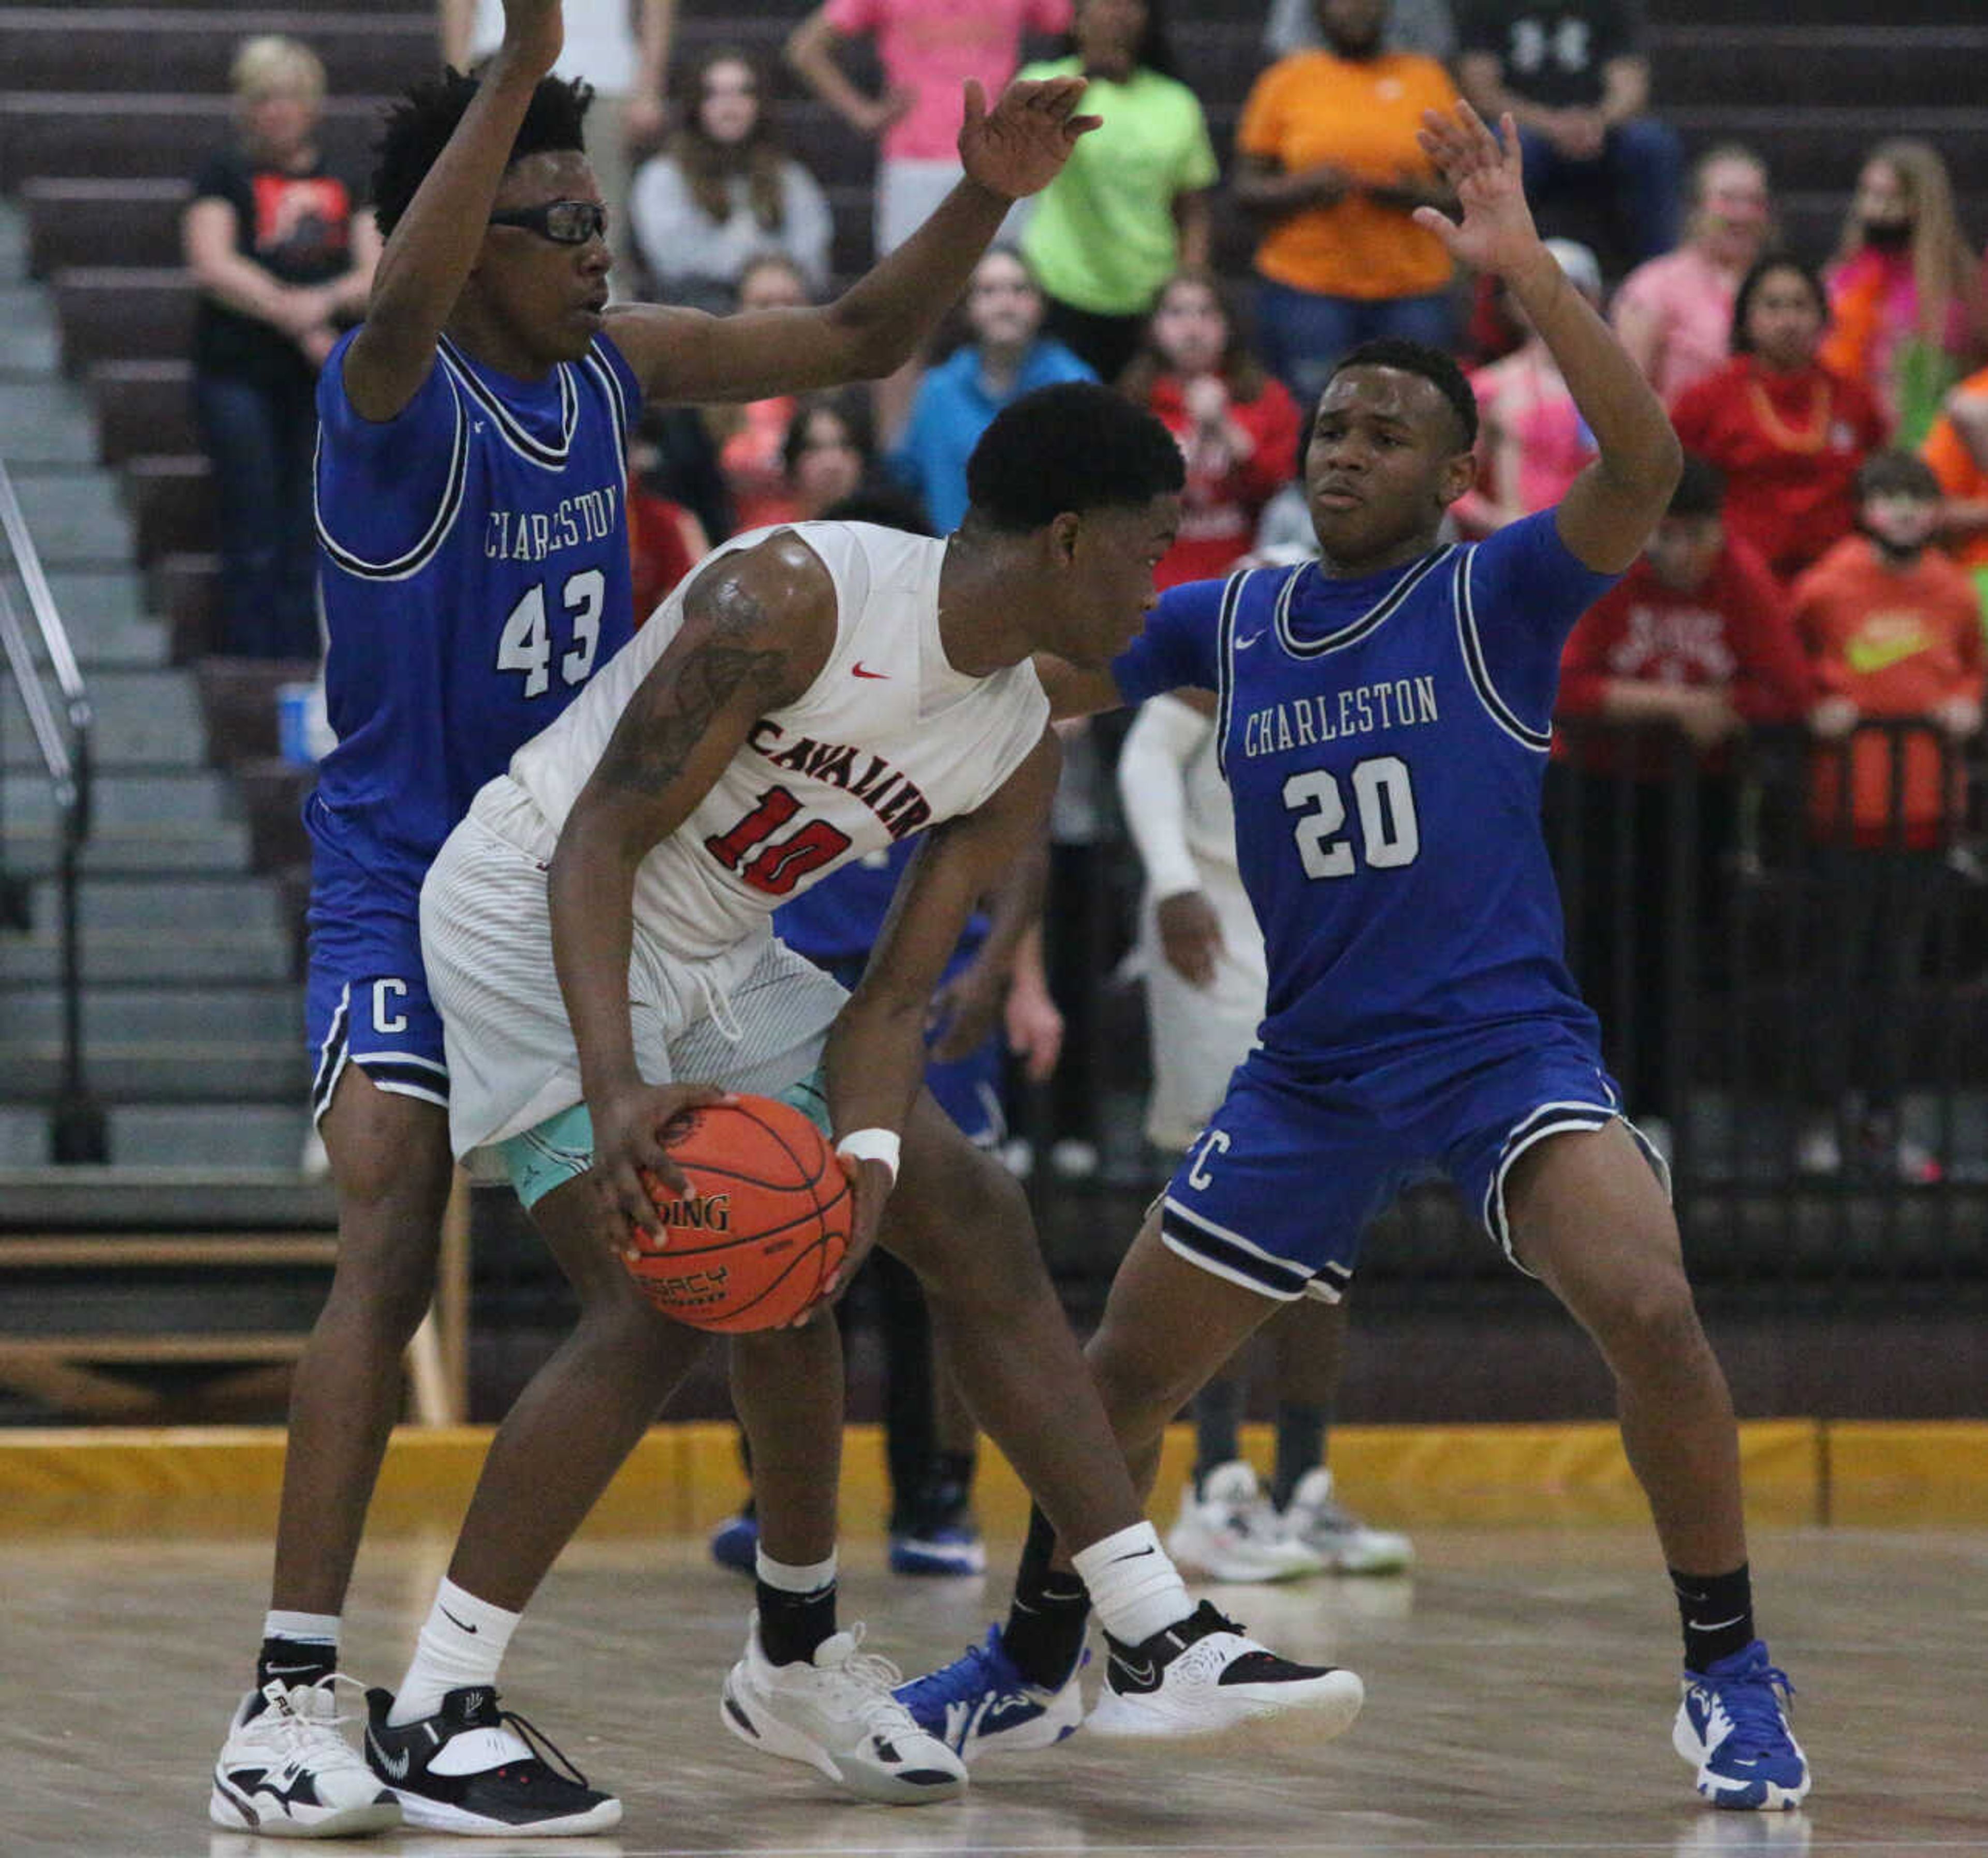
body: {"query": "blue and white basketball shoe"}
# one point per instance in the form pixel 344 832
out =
pixel 1732 1728
pixel 980 1702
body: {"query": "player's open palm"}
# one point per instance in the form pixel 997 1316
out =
pixel 1494 229
pixel 1020 145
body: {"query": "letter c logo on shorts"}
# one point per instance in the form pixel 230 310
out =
pixel 1216 1145
pixel 386 1018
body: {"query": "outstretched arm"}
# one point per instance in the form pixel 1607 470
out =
pixel 428 258
pixel 757 628
pixel 1607 515
pixel 1014 149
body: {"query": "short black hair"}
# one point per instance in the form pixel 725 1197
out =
pixel 1701 488
pixel 1757 274
pixel 1898 473
pixel 1434 366
pixel 417 130
pixel 1072 447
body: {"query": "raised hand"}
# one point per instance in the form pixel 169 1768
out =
pixel 1019 146
pixel 534 31
pixel 1495 231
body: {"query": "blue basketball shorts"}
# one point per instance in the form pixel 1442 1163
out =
pixel 1277 1192
pixel 366 993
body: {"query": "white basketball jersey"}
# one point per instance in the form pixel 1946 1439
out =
pixel 888 739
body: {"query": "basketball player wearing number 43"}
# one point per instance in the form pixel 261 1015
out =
pixel 727 757
pixel 1383 722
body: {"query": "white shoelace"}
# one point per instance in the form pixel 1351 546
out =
pixel 861 1684
pixel 303 1718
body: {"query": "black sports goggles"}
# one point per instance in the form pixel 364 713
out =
pixel 564 222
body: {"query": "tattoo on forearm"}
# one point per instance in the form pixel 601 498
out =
pixel 668 718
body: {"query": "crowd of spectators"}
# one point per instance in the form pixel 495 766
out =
pixel 1816 402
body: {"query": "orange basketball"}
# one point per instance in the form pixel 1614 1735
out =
pixel 765 1223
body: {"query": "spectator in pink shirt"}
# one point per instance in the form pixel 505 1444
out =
pixel 1532 442
pixel 1673 313
pixel 927 49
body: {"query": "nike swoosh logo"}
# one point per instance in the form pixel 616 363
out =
pixel 856 671
pixel 1148 1550
pixel 395 1765
pixel 1144 1675
pixel 1244 644
pixel 460 1625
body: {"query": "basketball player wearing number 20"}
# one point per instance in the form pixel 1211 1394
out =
pixel 1384 718
pixel 730 755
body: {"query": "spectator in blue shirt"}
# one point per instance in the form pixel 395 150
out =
pixel 1004 356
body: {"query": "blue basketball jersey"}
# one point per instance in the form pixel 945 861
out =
pixel 474 553
pixel 841 917
pixel 1385 739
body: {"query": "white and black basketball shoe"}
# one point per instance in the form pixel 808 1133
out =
pixel 472 1767
pixel 1206 1676
pixel 286 1771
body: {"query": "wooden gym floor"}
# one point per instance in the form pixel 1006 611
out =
pixel 1520 1691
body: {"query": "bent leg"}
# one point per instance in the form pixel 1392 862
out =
pixel 579 1418
pixel 391 1167
pixel 961 1222
pixel 1589 1217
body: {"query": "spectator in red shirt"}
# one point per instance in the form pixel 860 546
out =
pixel 1237 425
pixel 1692 647
pixel 1892 627
pixel 1788 432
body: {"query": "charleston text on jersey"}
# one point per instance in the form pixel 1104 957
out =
pixel 1361 709
pixel 533 535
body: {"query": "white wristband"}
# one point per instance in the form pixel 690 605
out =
pixel 872 1145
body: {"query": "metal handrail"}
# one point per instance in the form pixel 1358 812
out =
pixel 76 1129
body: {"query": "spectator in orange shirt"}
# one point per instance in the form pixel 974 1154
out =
pixel 1893 630
pixel 1788 432
pixel 1696 636
pixel 1237 426
pixel 1329 161
pixel 750 437
pixel 1957 449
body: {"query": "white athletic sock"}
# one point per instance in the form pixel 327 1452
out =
pixel 462 1643
pixel 789 1578
pixel 301 1628
pixel 1135 1589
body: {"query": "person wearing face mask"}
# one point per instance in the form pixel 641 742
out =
pixel 1329 166
pixel 1894 636
pixel 1005 356
pixel 1788 431
pixel 724 193
pixel 1674 314
pixel 1237 426
pixel 1906 313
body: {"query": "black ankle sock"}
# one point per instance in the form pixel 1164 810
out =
pixel 1217 1415
pixel 1044 1634
pixel 1717 1611
pixel 291 1661
pixel 792 1625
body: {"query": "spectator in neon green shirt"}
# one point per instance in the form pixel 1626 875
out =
pixel 1130 207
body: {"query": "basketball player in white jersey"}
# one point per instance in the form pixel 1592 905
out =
pixel 810 694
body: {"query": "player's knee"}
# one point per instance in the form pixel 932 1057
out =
pixel 1648 1319
pixel 963 1228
